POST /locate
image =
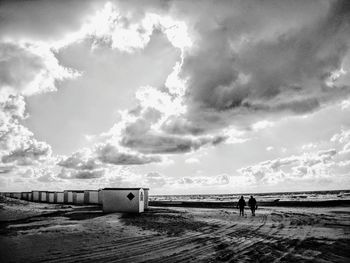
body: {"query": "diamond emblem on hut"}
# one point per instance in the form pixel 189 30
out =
pixel 130 196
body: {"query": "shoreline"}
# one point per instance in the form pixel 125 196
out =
pixel 223 204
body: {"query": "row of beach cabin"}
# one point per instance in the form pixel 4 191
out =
pixel 112 199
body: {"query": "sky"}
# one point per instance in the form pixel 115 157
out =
pixel 183 97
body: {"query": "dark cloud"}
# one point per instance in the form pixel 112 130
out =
pixel 235 71
pixel 79 161
pixel 42 20
pixel 139 135
pixel 111 155
pixel 18 66
pixel 4 169
pixel 81 174
pixel 154 143
pixel 33 151
pixel 176 125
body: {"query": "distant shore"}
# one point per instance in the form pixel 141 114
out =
pixel 225 204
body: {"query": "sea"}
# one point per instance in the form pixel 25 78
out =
pixel 262 197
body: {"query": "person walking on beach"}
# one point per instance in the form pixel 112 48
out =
pixel 252 205
pixel 241 204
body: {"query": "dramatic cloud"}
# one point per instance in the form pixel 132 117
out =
pixel 140 133
pixel 79 161
pixel 154 143
pixel 30 68
pixel 111 155
pixel 42 20
pixel 18 145
pixel 235 70
pixel 245 65
pixel 80 174
pixel 93 163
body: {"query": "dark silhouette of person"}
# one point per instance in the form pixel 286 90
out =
pixel 252 205
pixel 241 204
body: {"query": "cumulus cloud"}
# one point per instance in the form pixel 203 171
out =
pixel 112 155
pixel 221 179
pixel 139 131
pixel 154 143
pixel 314 165
pixel 31 151
pixel 80 161
pixel 30 68
pixel 5 169
pixel 47 178
pixel 93 163
pixel 155 179
pixel 235 68
pixel 42 20
pixel 18 145
pixel 81 174
pixel 25 69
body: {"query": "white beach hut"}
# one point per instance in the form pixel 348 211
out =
pixel 59 197
pixel 17 195
pixel 91 197
pixel 24 195
pixel 78 197
pixel 43 196
pixel 123 200
pixel 51 197
pixel 100 193
pixel 35 196
pixel 146 191
pixel 68 196
pixel 30 196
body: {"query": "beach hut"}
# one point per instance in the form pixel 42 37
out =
pixel 24 195
pixel 91 197
pixel 123 200
pixel 35 196
pixel 43 196
pixel 30 196
pixel 100 193
pixel 68 196
pixel 17 195
pixel 146 190
pixel 78 197
pixel 59 197
pixel 51 197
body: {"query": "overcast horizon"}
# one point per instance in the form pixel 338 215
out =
pixel 183 97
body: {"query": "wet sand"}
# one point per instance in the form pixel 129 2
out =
pixel 85 234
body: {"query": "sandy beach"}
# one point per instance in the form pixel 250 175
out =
pixel 58 233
